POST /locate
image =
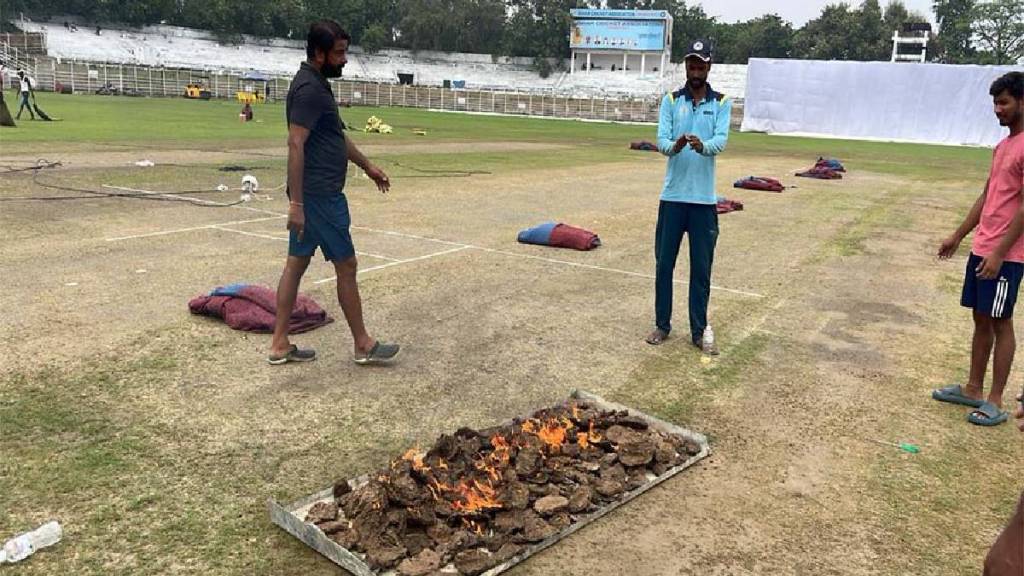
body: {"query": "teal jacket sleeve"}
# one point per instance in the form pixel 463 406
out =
pixel 717 143
pixel 665 120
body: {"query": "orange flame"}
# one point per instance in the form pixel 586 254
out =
pixel 437 489
pixel 496 459
pixel 476 496
pixel 502 449
pixel 498 442
pixel 552 434
pixel 416 457
pixel 581 439
pixel 585 439
pixel 484 465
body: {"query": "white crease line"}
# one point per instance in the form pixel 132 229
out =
pixel 397 262
pixel 412 236
pixel 253 234
pixel 378 256
pixel 193 198
pixel 459 246
pixel 550 260
pixel 191 229
pixel 285 239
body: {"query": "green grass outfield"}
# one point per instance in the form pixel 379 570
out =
pixel 173 121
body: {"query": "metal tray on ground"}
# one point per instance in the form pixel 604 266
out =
pixel 291 517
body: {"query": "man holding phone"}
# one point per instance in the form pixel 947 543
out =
pixel 693 128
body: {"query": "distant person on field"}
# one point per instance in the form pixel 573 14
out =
pixel 693 128
pixel 996 263
pixel 25 91
pixel 247 112
pixel 318 216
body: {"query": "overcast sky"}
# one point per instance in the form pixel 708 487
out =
pixel 796 11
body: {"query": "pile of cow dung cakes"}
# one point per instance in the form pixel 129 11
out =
pixel 477 498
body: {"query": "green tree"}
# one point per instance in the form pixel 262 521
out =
pixel 766 37
pixel 827 37
pixel 480 25
pixel 424 24
pixel 690 23
pixel 954 18
pixel 452 25
pixel 897 14
pixel 374 38
pixel 843 33
pixel 870 40
pixel 539 28
pixel 999 26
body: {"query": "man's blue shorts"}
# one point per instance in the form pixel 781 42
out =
pixel 327 227
pixel 994 298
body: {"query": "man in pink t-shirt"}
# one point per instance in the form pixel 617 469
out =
pixel 996 264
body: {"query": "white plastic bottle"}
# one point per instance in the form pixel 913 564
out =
pixel 22 546
pixel 709 338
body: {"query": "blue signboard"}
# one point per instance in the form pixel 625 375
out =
pixel 632 35
pixel 619 14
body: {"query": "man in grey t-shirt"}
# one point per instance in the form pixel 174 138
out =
pixel 318 217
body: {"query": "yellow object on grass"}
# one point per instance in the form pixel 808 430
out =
pixel 244 96
pixel 374 124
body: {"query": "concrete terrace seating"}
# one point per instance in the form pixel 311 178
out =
pixel 170 46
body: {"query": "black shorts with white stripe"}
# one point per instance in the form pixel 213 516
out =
pixel 996 297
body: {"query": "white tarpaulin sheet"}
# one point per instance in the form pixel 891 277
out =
pixel 933 103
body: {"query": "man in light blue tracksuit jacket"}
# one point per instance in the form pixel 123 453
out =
pixel 693 128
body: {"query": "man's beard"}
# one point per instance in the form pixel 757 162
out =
pixel 330 71
pixel 696 83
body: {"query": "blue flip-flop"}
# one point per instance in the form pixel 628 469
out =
pixel 954 394
pixel 295 354
pixel 381 353
pixel 987 415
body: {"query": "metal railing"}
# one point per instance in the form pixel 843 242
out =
pixel 28 42
pixel 12 59
pixel 496 102
pixel 88 77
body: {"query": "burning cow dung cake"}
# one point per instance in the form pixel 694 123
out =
pixel 478 501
